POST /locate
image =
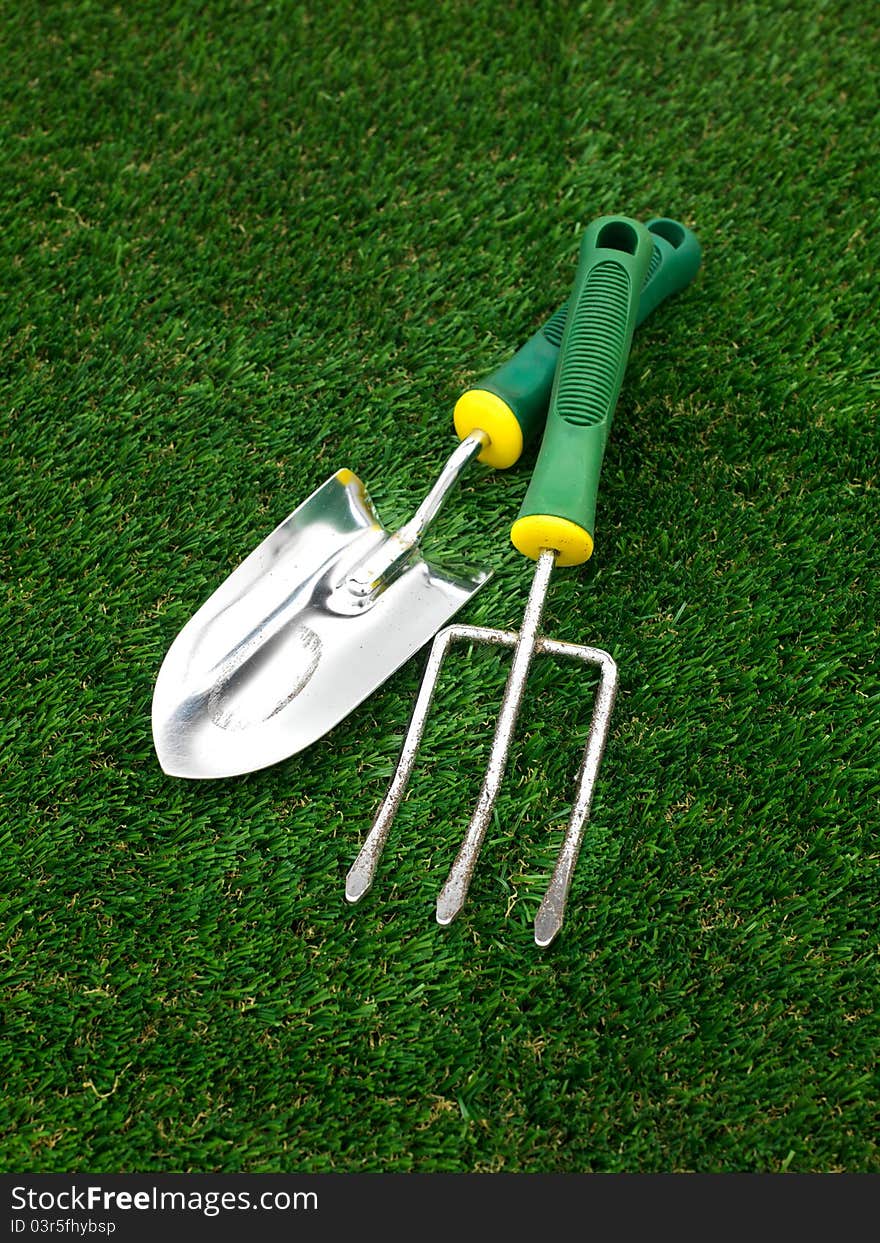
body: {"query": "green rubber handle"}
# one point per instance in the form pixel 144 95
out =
pixel 522 384
pixel 674 263
pixel 559 509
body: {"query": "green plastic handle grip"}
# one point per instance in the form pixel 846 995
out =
pixel 559 509
pixel 519 390
pixel 674 263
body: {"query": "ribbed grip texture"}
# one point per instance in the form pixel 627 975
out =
pixel 559 508
pixel 555 326
pixel 525 381
pixel 596 346
pixel 656 260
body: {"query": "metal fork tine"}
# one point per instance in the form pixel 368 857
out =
pixel 453 894
pixel 363 870
pixel 551 912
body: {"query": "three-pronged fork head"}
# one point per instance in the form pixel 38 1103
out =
pixel 552 909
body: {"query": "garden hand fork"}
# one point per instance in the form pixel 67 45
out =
pixel 555 527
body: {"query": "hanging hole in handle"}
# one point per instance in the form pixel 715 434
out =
pixel 618 235
pixel 670 230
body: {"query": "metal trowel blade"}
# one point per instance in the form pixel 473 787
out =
pixel 284 650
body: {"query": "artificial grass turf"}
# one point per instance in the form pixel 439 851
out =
pixel 247 245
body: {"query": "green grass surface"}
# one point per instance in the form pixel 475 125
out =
pixel 247 244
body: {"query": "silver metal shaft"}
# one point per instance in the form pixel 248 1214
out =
pixel 382 566
pixel 443 484
pixel 454 892
pixel 551 912
pixel 363 870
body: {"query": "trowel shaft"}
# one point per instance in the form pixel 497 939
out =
pixel 379 568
